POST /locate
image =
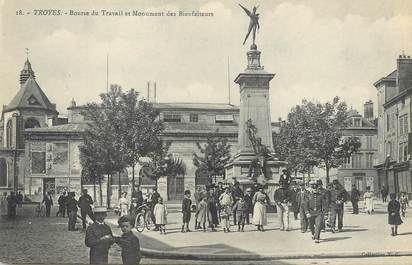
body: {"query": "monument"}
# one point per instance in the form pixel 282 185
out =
pixel 255 162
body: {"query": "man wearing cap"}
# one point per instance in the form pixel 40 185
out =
pixel 99 237
pixel 314 208
pixel 338 197
pixel 85 204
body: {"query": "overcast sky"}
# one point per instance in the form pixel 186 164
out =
pixel 317 49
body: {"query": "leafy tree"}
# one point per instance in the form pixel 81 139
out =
pixel 215 155
pixel 161 163
pixel 312 136
pixel 102 149
pixel 140 129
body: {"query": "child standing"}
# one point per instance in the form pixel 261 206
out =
pixel 128 242
pixel 225 201
pixel 394 217
pixel 201 214
pixel 186 211
pixel 160 213
pixel 404 201
pixel 124 204
pixel 368 197
pixel 241 209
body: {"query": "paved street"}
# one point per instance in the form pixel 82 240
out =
pixel 46 240
pixel 361 232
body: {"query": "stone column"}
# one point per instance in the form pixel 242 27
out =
pixel 254 102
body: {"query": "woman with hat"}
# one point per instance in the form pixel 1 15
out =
pixel 260 200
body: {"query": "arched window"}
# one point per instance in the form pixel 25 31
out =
pixel 9 134
pixel 3 172
pixel 31 123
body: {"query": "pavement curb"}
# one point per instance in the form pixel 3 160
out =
pixel 151 253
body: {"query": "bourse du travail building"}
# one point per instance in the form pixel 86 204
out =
pixel 39 151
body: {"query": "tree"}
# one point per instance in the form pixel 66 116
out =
pixel 215 155
pixel 161 163
pixel 102 149
pixel 312 136
pixel 140 130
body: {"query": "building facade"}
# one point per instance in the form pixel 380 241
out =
pixel 394 133
pixel 359 169
pixel 30 108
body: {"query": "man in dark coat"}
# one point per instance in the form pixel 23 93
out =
pixel 62 201
pixel 71 205
pixel 11 205
pixel 20 199
pixel 301 198
pixel 85 204
pixel 295 203
pixel 384 193
pixel 285 177
pixel 186 211
pixel 248 201
pixel 237 193
pixel 337 200
pixel 138 195
pixel 99 238
pixel 354 198
pixel 48 201
pixel 314 207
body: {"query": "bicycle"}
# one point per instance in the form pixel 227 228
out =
pixel 143 218
pixel 40 210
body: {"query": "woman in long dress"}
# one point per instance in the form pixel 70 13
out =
pixel 368 197
pixel 260 200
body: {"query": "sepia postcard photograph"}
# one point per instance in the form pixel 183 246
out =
pixel 206 132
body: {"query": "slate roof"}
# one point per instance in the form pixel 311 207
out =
pixel 70 127
pixel 31 91
pixel 195 106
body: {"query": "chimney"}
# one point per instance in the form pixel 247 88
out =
pixel 368 110
pixel 404 76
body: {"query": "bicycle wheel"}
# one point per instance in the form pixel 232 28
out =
pixel 139 223
pixel 148 219
pixel 42 211
pixel 37 211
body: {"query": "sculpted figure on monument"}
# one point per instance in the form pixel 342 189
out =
pixel 258 165
pixel 253 24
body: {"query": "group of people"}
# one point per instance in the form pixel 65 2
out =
pixel 9 203
pixel 68 205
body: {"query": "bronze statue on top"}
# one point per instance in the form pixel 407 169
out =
pixel 258 165
pixel 253 24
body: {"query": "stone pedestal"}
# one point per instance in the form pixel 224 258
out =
pixel 254 105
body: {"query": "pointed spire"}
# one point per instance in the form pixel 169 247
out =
pixel 27 71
